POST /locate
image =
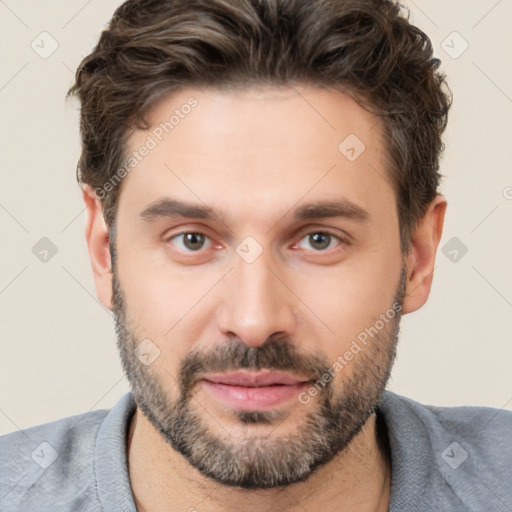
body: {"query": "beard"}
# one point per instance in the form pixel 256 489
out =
pixel 261 461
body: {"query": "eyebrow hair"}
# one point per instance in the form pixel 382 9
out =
pixel 168 207
pixel 339 208
pixel 173 208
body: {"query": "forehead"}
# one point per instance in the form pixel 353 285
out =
pixel 286 115
pixel 270 146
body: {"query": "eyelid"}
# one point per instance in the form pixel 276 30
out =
pixel 210 241
pixel 344 239
pixel 168 238
pixel 342 236
pixel 207 245
pixel 186 227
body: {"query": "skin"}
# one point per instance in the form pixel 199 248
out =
pixel 239 153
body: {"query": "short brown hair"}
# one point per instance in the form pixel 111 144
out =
pixel 367 48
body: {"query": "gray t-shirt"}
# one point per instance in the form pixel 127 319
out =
pixel 443 459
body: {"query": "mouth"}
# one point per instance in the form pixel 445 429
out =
pixel 254 390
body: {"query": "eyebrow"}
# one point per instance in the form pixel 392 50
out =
pixel 340 208
pixel 173 208
pixel 169 208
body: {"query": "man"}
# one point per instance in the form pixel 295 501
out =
pixel 261 179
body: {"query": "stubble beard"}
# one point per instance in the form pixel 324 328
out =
pixel 260 461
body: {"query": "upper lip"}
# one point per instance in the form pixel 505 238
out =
pixel 254 378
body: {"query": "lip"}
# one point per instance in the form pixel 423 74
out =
pixel 254 391
pixel 255 378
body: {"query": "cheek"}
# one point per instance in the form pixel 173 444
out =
pixel 343 301
pixel 159 293
pixel 171 307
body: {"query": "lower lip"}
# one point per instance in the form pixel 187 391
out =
pixel 254 398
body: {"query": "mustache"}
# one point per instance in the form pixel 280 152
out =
pixel 277 353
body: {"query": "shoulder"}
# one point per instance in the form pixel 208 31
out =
pixel 52 458
pixel 470 423
pixel 467 450
pixel 482 435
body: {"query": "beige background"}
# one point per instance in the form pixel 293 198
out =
pixel 58 354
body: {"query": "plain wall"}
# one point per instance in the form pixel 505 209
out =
pixel 58 355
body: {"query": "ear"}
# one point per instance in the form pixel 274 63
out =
pixel 422 255
pixel 96 235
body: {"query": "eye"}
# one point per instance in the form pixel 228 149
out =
pixel 190 241
pixel 319 241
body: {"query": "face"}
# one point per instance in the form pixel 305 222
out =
pixel 258 279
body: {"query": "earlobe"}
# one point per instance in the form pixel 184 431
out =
pixel 98 244
pixel 421 258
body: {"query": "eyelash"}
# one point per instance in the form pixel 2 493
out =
pixel 170 238
pixel 323 232
pixel 341 240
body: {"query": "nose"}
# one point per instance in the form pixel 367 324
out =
pixel 256 303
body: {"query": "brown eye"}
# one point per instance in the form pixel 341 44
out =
pixel 189 241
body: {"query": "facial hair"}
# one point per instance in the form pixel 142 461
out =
pixel 261 462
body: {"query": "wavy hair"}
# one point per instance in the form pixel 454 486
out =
pixel 366 48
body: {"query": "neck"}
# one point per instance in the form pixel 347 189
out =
pixel 357 479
